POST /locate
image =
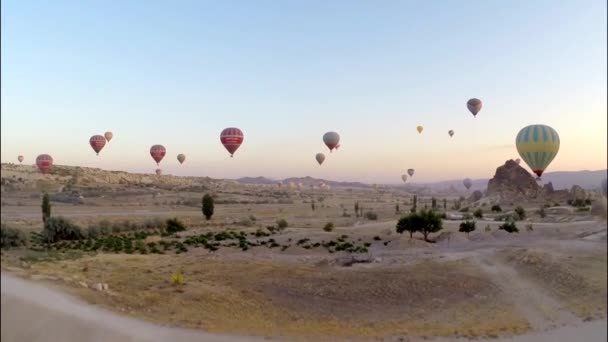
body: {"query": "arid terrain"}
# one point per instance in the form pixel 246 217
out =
pixel 244 274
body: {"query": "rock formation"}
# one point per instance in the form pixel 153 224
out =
pixel 513 182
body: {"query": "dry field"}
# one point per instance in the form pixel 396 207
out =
pixel 487 284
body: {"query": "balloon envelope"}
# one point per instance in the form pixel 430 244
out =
pixel 44 163
pixel 158 153
pixel 474 106
pixel 451 133
pixel 320 157
pixel 181 157
pixel 404 177
pixel 108 136
pixel 419 129
pixel 232 138
pixel 20 159
pixel 467 183
pixel 537 145
pixel 97 142
pixel 331 140
pixel 410 172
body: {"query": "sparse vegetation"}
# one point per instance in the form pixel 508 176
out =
pixel 11 237
pixel 371 215
pixel 520 212
pixel 488 228
pixel 496 208
pixel 329 226
pixel 59 228
pixel 282 224
pixel 478 213
pixel 542 213
pixel 177 278
pixel 174 225
pixel 509 227
pixel 467 227
pixel 529 228
pixel 208 206
pixel 426 222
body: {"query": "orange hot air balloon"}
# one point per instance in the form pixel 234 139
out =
pixel 20 159
pixel 108 136
pixel 158 153
pixel 232 138
pixel 97 142
pixel 181 158
pixel 44 163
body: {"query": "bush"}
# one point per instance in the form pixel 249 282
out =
pixel 282 224
pixel 488 229
pixel 467 227
pixel 174 225
pixel 478 213
pixel 329 226
pixel 246 222
pixel 496 208
pixel 509 227
pixel 521 213
pixel 542 212
pixel 11 237
pixel 177 278
pixel 464 210
pixel 370 215
pixel 207 206
pixel 529 227
pixel 59 228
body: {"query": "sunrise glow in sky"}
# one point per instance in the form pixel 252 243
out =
pixel 285 72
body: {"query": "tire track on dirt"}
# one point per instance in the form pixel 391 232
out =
pixel 541 310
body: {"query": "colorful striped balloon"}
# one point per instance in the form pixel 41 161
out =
pixel 537 145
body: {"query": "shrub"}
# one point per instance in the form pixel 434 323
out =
pixel 246 222
pixel 529 227
pixel 11 237
pixel 177 278
pixel 59 228
pixel 370 215
pixel 174 225
pixel 487 229
pixel 509 227
pixel 467 216
pixel 496 208
pixel 467 227
pixel 282 224
pixel 542 212
pixel 464 210
pixel 207 206
pixel 521 213
pixel 329 226
pixel 377 238
pixel 478 213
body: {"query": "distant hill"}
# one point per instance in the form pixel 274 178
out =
pixel 588 180
pixel 305 181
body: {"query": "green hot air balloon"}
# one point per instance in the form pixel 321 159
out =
pixel 537 145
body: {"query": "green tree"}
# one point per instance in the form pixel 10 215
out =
pixel 356 209
pixel 414 203
pixel 426 222
pixel 312 205
pixel 467 227
pixel 542 212
pixel 445 204
pixel 433 203
pixel 521 212
pixel 397 208
pixel 478 213
pixel 410 223
pixel 46 207
pixel 208 206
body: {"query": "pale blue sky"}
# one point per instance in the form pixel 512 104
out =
pixel 177 72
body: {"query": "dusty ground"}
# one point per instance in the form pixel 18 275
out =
pixel 487 284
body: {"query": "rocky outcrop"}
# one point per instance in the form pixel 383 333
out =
pixel 513 182
pixel 475 196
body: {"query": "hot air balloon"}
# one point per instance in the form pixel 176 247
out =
pixel 410 172
pixel 231 138
pixel 108 136
pixel 44 163
pixel 419 129
pixel 451 133
pixel 467 183
pixel 537 145
pixel 159 172
pixel 331 140
pixel 20 159
pixel 474 106
pixel 97 142
pixel 404 177
pixel 158 153
pixel 518 161
pixel 181 157
pixel 320 157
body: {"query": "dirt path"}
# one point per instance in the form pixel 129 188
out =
pixel 541 311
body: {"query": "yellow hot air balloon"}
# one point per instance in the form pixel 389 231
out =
pixel 419 129
pixel 108 136
pixel 537 145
